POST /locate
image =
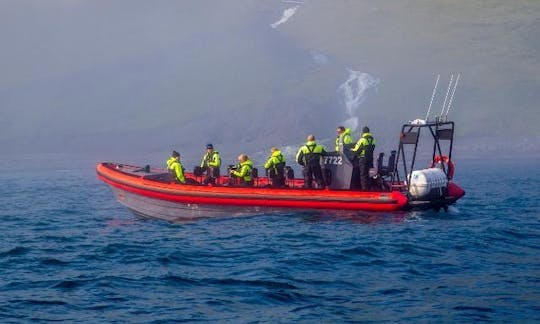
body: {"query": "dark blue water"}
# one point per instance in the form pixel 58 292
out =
pixel 70 252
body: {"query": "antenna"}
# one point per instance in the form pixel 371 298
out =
pixel 452 96
pixel 433 96
pixel 447 92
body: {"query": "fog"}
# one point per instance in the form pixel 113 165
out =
pixel 114 78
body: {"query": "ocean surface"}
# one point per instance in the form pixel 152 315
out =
pixel 70 252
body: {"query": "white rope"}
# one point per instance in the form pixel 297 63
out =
pixel 452 96
pixel 447 92
pixel 433 96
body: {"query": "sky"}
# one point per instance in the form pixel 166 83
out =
pixel 113 77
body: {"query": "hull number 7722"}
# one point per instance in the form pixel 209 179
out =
pixel 337 160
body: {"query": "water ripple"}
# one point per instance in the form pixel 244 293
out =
pixel 76 255
pixel 16 251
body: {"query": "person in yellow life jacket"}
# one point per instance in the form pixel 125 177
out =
pixel 364 149
pixel 175 167
pixel 309 156
pixel 243 170
pixel 275 166
pixel 343 137
pixel 210 163
pixel 172 159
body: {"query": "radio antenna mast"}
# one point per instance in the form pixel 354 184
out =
pixel 452 96
pixel 433 96
pixel 447 92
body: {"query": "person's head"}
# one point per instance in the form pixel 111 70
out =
pixel 311 138
pixel 273 149
pixel 209 147
pixel 340 129
pixel 365 129
pixel 175 154
pixel 242 157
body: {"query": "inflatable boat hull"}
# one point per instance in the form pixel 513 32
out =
pixel 148 193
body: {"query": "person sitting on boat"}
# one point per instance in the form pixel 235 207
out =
pixel 210 163
pixel 243 170
pixel 309 156
pixel 364 149
pixel 275 166
pixel 175 167
pixel 343 137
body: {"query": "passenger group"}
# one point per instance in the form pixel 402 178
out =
pixel 308 156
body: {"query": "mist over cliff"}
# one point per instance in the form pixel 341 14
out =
pixel 113 77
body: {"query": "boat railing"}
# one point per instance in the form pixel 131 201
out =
pixel 334 181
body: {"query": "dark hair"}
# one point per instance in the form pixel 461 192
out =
pixel 209 146
pixel 341 128
pixel 175 154
pixel 365 129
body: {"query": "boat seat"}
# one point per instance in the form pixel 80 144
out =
pixel 255 176
pixel 145 169
pixel 389 169
pixel 161 177
pixel 380 161
pixel 289 176
pixel 198 171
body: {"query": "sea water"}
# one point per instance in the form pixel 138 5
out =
pixel 70 252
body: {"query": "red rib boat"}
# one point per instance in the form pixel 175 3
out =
pixel 150 192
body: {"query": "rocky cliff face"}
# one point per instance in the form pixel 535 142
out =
pixel 249 75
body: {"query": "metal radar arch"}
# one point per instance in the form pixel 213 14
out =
pixel 438 130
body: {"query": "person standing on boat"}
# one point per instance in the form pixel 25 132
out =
pixel 210 163
pixel 309 156
pixel 343 137
pixel 275 166
pixel 175 167
pixel 364 149
pixel 243 170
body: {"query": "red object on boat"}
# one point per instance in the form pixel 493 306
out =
pixel 152 194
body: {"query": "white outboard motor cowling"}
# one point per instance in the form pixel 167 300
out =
pixel 428 183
